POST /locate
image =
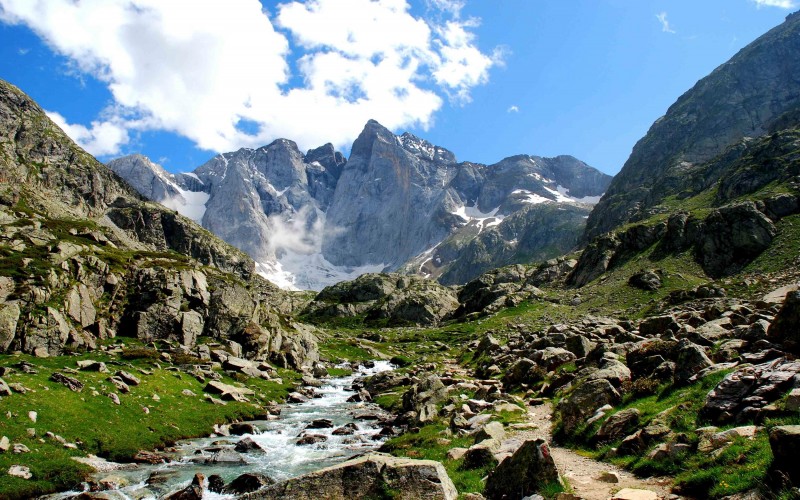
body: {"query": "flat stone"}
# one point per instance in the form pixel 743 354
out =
pixel 20 471
pixel 634 494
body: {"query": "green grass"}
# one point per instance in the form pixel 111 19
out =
pixel 102 428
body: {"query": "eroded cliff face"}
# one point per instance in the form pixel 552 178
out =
pixel 83 258
pixel 742 98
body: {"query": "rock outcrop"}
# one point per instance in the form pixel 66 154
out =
pixel 370 476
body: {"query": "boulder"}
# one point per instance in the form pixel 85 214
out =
pixel 523 473
pixel 423 397
pixel 523 371
pixel 645 280
pixel 369 476
pixel 741 395
pixel 618 425
pixel 9 317
pixel 247 483
pixel 553 357
pixel 247 445
pixel 192 492
pixel 492 430
pixel 20 471
pixel 242 428
pixel 656 325
pixel 72 384
pixel 785 443
pixel 784 329
pixel 584 401
pixel 691 360
pixel 732 237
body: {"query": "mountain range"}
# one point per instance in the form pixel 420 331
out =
pixel 397 203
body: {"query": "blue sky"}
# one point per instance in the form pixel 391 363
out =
pixel 179 81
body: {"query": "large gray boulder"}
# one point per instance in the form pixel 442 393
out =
pixel 523 473
pixel 584 400
pixel 370 476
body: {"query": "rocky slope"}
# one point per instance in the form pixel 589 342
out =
pixel 84 258
pixel 398 203
pixel 743 98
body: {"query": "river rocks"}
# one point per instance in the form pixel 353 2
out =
pixel 192 492
pixel 320 423
pixel 247 483
pixel 584 401
pixel 247 445
pixel 72 384
pixel 785 443
pixel 345 430
pixel 522 474
pixel 150 457
pixel 784 329
pixel 242 428
pixel 367 477
pixel 308 439
pixel 742 394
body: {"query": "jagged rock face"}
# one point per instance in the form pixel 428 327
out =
pixel 385 208
pixel 741 98
pixel 399 203
pixel 146 177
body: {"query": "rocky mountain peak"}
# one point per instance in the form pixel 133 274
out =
pixel 425 150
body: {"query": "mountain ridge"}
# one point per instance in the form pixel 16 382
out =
pixel 319 218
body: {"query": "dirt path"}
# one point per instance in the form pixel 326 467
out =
pixel 583 473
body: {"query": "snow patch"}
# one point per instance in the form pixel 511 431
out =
pixel 589 200
pixel 531 197
pixel 191 204
pixel 481 219
pixel 297 271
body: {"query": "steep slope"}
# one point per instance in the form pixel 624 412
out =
pixel 741 98
pixel 84 258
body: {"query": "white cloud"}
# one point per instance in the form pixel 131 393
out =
pixel 103 138
pixel 513 109
pixel 665 27
pixel 314 73
pixel 783 4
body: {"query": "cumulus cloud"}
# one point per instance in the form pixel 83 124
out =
pixel 100 139
pixel 513 109
pixel 227 75
pixel 665 27
pixel 783 4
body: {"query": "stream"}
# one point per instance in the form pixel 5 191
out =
pixel 281 458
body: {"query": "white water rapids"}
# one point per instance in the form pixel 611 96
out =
pixel 281 459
